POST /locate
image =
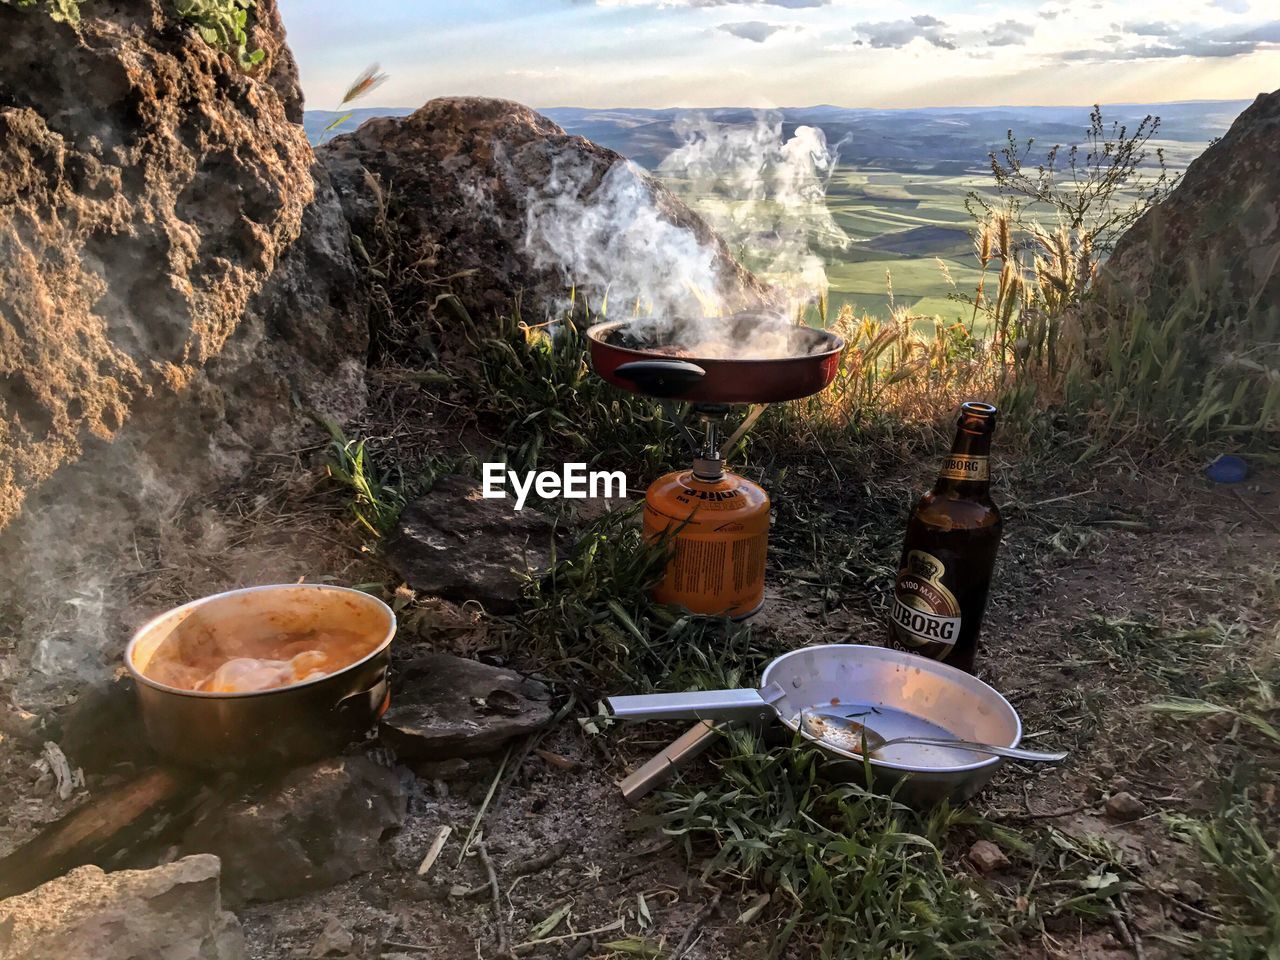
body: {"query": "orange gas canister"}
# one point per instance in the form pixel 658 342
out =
pixel 719 534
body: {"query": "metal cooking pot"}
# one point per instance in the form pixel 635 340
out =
pixel 902 693
pixel 629 355
pixel 274 727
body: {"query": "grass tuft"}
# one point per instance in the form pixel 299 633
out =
pixel 376 500
pixel 853 874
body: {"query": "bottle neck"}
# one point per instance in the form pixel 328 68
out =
pixel 966 469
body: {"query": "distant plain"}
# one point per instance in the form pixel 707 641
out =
pixel 898 192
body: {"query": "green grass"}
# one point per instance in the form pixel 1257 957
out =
pixel 1240 851
pixel 853 875
pixel 377 496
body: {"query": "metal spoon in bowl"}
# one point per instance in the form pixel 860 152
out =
pixel 853 736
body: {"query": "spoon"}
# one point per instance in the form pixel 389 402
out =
pixel 851 735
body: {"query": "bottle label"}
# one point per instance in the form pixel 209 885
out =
pixel 924 610
pixel 962 466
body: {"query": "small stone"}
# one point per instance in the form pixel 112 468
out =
pixel 174 911
pixel 1124 806
pixel 318 826
pixel 986 856
pixel 23 725
pixel 1191 891
pixel 435 716
pixel 335 940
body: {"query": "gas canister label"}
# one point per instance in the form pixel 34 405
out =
pixel 960 466
pixel 924 610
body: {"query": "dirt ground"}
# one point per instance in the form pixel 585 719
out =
pixel 1086 552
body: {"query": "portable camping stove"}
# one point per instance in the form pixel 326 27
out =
pixel 717 521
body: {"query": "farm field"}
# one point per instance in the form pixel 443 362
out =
pixel 900 236
pixel 907 236
pixel 907 232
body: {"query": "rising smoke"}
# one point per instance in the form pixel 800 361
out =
pixel 763 193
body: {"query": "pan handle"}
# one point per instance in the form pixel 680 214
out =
pixel 735 705
pixel 661 378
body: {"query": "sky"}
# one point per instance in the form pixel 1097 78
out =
pixel 779 53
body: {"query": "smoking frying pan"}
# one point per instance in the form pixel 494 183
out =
pixel 903 695
pixel 645 357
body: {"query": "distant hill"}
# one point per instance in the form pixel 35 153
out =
pixel 937 140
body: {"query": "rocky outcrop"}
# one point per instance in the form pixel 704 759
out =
pixel 499 204
pixel 1224 215
pixel 176 290
pixel 173 912
pixel 151 276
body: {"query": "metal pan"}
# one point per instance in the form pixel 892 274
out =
pixel 266 728
pixel 904 695
pixel 630 355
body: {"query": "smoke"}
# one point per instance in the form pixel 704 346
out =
pixel 69 563
pixel 615 241
pixel 765 194
pixel 611 242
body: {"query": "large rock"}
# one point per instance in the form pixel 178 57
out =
pixel 500 203
pixel 320 825
pixel 173 912
pixel 176 286
pixel 445 707
pixel 1225 212
pixel 455 543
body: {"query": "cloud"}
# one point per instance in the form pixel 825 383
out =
pixel 1263 33
pixel 1153 51
pixel 756 31
pixel 1232 6
pixel 1010 33
pixel 1223 42
pixel 899 33
pixel 1146 28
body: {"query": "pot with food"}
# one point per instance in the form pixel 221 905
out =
pixel 263 676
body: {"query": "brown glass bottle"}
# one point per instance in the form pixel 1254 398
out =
pixel 950 550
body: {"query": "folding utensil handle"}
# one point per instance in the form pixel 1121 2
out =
pixel 731 705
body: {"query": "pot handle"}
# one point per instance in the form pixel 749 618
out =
pixel 661 378
pixel 735 705
pixel 370 698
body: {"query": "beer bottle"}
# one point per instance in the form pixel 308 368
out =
pixel 941 589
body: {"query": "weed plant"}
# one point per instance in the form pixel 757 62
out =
pixel 221 23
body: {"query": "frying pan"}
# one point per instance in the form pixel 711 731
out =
pixel 629 354
pixel 903 693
